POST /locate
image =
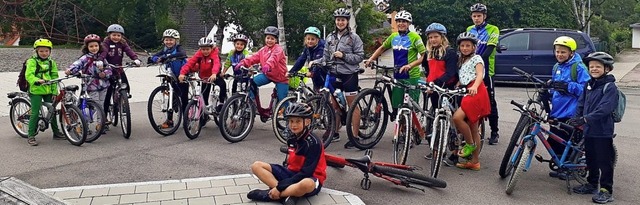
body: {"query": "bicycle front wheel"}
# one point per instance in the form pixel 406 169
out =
pixel 402 139
pixel 192 116
pixel 73 125
pixel 323 122
pixel 439 146
pixel 410 177
pixel 237 118
pixel 278 122
pixel 20 112
pixel 523 157
pixel 518 133
pixel 125 114
pixel 372 121
pixel 95 117
pixel 164 118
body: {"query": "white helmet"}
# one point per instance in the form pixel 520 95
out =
pixel 171 33
pixel 206 41
pixel 404 15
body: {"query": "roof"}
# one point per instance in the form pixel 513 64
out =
pixel 635 25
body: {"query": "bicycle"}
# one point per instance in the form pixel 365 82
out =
pixel 73 125
pixel 297 95
pixel 401 175
pixel 119 108
pixel 91 110
pixel 540 106
pixel 164 100
pixel 239 111
pixel 197 113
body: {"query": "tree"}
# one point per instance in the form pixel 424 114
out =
pixel 279 16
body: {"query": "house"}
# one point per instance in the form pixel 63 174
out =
pixel 635 36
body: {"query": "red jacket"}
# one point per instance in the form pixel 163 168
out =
pixel 272 58
pixel 204 65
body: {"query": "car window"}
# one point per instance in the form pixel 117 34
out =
pixel 582 43
pixel 516 42
pixel 542 40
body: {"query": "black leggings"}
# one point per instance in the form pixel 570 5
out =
pixel 600 157
pixel 111 88
pixel 493 117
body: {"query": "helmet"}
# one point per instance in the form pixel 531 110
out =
pixel 404 15
pixel 479 8
pixel 43 42
pixel 314 31
pixel 566 41
pixel 603 57
pixel 342 12
pixel 298 110
pixel 436 27
pixel 240 37
pixel 467 36
pixel 91 38
pixel 115 28
pixel 271 30
pixel 206 41
pixel 171 33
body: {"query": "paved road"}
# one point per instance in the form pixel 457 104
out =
pixel 148 156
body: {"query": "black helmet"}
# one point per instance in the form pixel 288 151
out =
pixel 603 57
pixel 342 12
pixel 479 8
pixel 271 30
pixel 298 110
pixel 467 36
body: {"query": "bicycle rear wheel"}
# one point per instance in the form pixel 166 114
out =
pixel 523 157
pixel 20 112
pixel 278 122
pixel 410 177
pixel 440 146
pixel 402 139
pixel 518 133
pixel 73 125
pixel 237 118
pixel 373 119
pixel 192 116
pixel 95 117
pixel 324 119
pixel 159 113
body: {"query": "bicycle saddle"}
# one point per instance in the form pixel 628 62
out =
pixel 71 88
pixel 12 94
pixel 363 159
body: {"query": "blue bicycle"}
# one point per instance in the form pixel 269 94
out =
pixel 91 110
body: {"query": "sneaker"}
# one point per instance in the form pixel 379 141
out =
pixel 585 189
pixel 349 145
pixel 451 161
pixel 564 176
pixel 167 124
pixel 429 156
pixel 335 138
pixel 467 150
pixel 602 197
pixel 468 165
pixel 554 174
pixel 494 138
pixel 58 136
pixel 291 200
pixel 259 195
pixel 32 141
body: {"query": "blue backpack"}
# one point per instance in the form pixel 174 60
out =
pixel 622 103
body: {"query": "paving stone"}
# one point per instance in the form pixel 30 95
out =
pixel 148 188
pixel 237 189
pixel 222 182
pixel 148 203
pixel 339 199
pixel 228 199
pixel 174 186
pixel 267 203
pixel 105 200
pixel 321 199
pixel 258 186
pixel 160 196
pixel 122 190
pixel 95 192
pixel 216 191
pixel 246 180
pixel 248 203
pixel 133 198
pixel 198 185
pixel 303 201
pixel 244 198
pixel 175 202
pixel 68 194
pixel 81 201
pixel 202 201
pixel 183 194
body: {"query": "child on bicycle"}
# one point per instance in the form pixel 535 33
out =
pixel 272 61
pixel 306 166
pixel 172 55
pixel 568 79
pixel 207 63
pixel 47 70
pixel 91 64
pixel 595 111
pixel 116 47
pixel 312 53
pixel 240 42
pixel 475 105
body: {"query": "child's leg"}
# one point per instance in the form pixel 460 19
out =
pixel 462 126
pixel 591 157
pixel 259 80
pixel 282 89
pixel 54 122
pixel 108 96
pixel 205 89
pixel 36 104
pixel 305 187
pixel 123 75
pixel 606 156
pixel 223 88
pixel 264 173
pixel 476 140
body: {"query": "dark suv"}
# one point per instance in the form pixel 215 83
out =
pixel 531 49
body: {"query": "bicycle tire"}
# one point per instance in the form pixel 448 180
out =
pixel 125 114
pixel 323 114
pixel 440 147
pixel 12 115
pixel 74 113
pixel 522 162
pixel 278 123
pixel 246 117
pixel 411 177
pixel 192 116
pixel 505 167
pixel 402 140
pixel 379 115
pixel 177 109
pixel 99 127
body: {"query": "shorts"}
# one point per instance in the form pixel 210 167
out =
pixel 348 82
pixel 282 173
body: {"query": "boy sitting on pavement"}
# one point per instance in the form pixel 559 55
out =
pixel 306 165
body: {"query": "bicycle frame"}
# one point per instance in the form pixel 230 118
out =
pixel 167 79
pixel 196 85
pixel 540 132
pixel 246 88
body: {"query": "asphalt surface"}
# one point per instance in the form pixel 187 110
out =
pixel 149 156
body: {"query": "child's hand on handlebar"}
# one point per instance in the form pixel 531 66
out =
pixel 405 68
pixel 213 77
pixel 67 72
pixel 181 78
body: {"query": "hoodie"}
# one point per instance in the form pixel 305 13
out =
pixel 597 107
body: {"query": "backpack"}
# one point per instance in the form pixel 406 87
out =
pixel 574 71
pixel 622 103
pixel 22 83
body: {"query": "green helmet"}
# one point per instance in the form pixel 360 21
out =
pixel 314 31
pixel 43 42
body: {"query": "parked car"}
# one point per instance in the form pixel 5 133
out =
pixel 531 49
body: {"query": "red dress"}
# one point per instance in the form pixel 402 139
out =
pixel 476 107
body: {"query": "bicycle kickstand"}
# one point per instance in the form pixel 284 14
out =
pixel 567 179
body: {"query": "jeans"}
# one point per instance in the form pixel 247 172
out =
pixel 281 88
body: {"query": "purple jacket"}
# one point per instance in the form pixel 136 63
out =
pixel 82 65
pixel 115 52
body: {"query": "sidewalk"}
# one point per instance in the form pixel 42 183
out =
pixel 627 69
pixel 219 190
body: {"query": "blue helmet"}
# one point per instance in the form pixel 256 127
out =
pixel 436 27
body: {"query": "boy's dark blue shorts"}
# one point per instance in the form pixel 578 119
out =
pixel 282 173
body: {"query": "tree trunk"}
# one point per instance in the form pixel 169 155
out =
pixel 280 18
pixel 352 20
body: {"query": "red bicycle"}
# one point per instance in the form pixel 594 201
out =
pixel 397 174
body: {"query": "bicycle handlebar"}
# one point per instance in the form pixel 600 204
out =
pixel 49 82
pixel 528 76
pixel 397 83
pixel 554 123
pixel 433 86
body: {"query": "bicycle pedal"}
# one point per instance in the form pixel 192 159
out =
pixel 540 159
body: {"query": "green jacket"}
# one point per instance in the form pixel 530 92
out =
pixel 45 73
pixel 232 61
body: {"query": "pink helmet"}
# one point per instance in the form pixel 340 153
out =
pixel 91 38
